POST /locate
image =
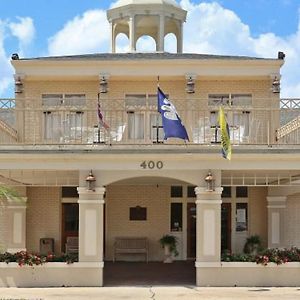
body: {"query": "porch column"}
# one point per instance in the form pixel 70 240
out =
pixel 91 227
pixel 16 217
pixel 276 206
pixel 208 226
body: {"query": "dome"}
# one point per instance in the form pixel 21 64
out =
pixel 120 3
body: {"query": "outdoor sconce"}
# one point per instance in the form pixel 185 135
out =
pixel 90 181
pixel 276 85
pixel 103 85
pixel 18 84
pixel 190 85
pixel 209 179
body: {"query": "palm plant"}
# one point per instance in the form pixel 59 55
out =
pixel 8 193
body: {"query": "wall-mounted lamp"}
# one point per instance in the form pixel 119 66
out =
pixel 190 83
pixel 103 85
pixel 18 84
pixel 209 179
pixel 276 85
pixel 90 181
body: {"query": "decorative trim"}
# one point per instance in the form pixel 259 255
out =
pixel 98 190
pixel 91 201
pixel 15 250
pixel 276 206
pixel 208 201
pixel 203 190
pixel 276 198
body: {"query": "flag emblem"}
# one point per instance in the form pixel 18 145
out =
pixel 225 135
pixel 171 121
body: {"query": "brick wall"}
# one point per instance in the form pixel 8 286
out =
pixel 43 219
pixel 118 201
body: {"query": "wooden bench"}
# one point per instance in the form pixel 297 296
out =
pixel 72 245
pixel 131 245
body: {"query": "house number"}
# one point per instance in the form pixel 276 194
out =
pixel 152 164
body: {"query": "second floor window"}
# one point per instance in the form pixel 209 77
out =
pixel 144 122
pixel 63 119
pixel 238 116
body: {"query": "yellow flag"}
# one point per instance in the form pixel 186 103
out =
pixel 225 137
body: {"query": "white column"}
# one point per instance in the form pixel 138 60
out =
pixel 276 206
pixel 208 228
pixel 161 38
pixel 113 38
pixel 17 225
pixel 91 224
pixel 132 33
pixel 180 38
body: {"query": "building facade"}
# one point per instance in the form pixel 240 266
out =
pixel 52 136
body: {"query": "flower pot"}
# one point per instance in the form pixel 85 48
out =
pixel 168 254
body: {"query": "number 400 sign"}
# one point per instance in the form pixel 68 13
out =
pixel 152 164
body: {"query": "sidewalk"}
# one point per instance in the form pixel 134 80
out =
pixel 152 293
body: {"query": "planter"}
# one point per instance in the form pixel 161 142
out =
pixel 168 255
pixel 51 274
pixel 247 274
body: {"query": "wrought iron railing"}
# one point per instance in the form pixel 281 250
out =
pixel 132 123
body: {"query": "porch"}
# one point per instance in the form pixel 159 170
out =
pixel 152 273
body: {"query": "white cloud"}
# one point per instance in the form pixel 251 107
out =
pixel 24 32
pixel 212 29
pixel 84 34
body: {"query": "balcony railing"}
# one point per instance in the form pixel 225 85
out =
pixel 26 121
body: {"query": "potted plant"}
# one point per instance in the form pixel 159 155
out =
pixel 169 243
pixel 253 245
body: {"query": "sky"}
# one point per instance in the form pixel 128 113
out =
pixel 259 28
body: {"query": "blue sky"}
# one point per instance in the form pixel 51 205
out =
pixel 238 27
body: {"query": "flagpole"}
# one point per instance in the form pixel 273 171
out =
pixel 157 81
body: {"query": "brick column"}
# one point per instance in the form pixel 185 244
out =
pixel 276 206
pixel 16 216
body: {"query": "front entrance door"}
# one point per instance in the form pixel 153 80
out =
pixel 70 222
pixel 225 227
pixel 191 230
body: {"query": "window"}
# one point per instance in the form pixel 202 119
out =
pixel 241 191
pixel 191 192
pixel 138 213
pixel 176 191
pixel 50 100
pixel 69 192
pixel 226 193
pixel 61 125
pixel 241 216
pixel 238 120
pixel 176 217
pixel 144 122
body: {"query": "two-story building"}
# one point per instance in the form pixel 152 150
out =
pixel 51 137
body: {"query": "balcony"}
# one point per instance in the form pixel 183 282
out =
pixel 27 122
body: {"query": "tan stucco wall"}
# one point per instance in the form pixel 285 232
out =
pixel 43 216
pixel 118 201
pixel 292 221
pixel 258 214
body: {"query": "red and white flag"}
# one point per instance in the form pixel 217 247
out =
pixel 100 118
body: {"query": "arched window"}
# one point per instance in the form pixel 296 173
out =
pixel 122 43
pixel 171 43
